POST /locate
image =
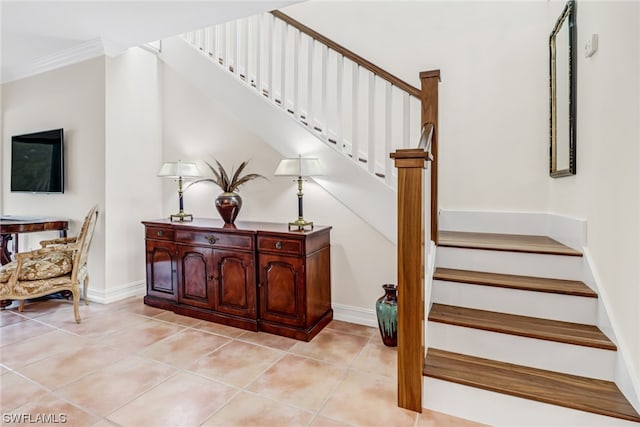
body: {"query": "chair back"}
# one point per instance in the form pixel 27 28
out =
pixel 84 239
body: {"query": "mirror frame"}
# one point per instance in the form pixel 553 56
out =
pixel 568 17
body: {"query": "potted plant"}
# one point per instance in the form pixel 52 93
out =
pixel 229 202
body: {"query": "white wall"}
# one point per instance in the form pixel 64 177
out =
pixel 71 98
pixel 606 189
pixel 133 153
pixel 197 128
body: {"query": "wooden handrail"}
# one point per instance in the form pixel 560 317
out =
pixel 412 90
pixel 429 99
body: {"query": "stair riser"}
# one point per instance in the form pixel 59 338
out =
pixel 498 409
pixel 543 305
pixel 536 353
pixel 524 264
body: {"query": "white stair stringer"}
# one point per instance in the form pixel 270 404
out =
pixel 518 263
pixel 366 195
pixel 503 410
pixel 536 353
pixel 545 305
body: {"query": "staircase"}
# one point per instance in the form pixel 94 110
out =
pixel 496 337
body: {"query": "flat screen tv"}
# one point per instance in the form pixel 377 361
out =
pixel 37 162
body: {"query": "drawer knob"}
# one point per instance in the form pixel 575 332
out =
pixel 278 245
pixel 160 233
pixel 211 239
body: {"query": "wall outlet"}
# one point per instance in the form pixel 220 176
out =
pixel 591 46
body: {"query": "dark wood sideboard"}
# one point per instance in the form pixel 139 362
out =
pixel 257 276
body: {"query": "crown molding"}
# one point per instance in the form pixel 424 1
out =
pixel 78 53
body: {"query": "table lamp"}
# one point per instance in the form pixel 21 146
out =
pixel 180 170
pixel 299 167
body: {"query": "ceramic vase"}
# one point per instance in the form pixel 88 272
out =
pixel 387 313
pixel 228 206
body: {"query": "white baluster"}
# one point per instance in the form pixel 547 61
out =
pixel 223 45
pixel 310 46
pixel 233 44
pixel 325 110
pixel 296 74
pixel 388 104
pixel 371 160
pixel 245 43
pixel 258 50
pixel 212 41
pixel 406 116
pixel 271 30
pixel 283 65
pixel 339 77
pixel 355 151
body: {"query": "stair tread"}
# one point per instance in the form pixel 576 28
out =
pixel 505 242
pixel 532 327
pixel 571 391
pixel 537 284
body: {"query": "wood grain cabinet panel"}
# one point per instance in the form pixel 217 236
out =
pixel 256 276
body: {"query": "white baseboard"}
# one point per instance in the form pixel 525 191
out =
pixel 357 315
pixel 113 294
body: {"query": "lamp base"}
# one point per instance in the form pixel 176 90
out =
pixel 181 217
pixel 300 224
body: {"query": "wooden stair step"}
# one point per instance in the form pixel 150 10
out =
pixel 524 326
pixel 570 391
pixel 505 242
pixel 526 283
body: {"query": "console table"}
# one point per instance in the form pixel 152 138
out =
pixel 253 275
pixel 11 226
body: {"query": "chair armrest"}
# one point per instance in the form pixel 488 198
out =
pixel 36 252
pixel 59 241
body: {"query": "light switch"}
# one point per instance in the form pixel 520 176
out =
pixel 591 46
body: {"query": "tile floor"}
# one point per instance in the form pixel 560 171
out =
pixel 131 365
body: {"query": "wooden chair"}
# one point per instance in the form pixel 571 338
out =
pixel 60 265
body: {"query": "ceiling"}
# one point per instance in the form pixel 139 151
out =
pixel 30 30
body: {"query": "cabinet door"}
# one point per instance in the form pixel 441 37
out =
pixel 195 277
pixel 235 283
pixel 161 270
pixel 282 289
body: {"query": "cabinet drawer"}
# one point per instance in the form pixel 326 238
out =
pixel 275 244
pixel 208 238
pixel 159 233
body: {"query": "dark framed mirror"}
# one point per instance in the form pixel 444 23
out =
pixel 562 99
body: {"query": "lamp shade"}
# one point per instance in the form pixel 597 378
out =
pixel 299 166
pixel 179 169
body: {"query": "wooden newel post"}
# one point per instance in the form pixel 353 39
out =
pixel 411 164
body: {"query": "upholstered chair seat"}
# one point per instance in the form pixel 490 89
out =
pixel 60 265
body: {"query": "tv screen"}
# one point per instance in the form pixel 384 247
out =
pixel 37 162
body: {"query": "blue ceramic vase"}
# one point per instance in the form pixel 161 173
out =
pixel 387 312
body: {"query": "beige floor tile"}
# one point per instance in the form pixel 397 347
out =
pixel 352 328
pixel 16 391
pixel 183 400
pixel 376 358
pixel 251 410
pixel 436 419
pixel 43 307
pixel 9 317
pixel 53 411
pixel 95 324
pixel 22 330
pixel 268 340
pixel 104 423
pixel 170 316
pixel 136 305
pixel 3 370
pixel 108 389
pixel 366 400
pixel 217 328
pixel 236 363
pixel 67 366
pixel 142 334
pixel 184 347
pixel 332 346
pixel 298 381
pixel 327 422
pixel 37 348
